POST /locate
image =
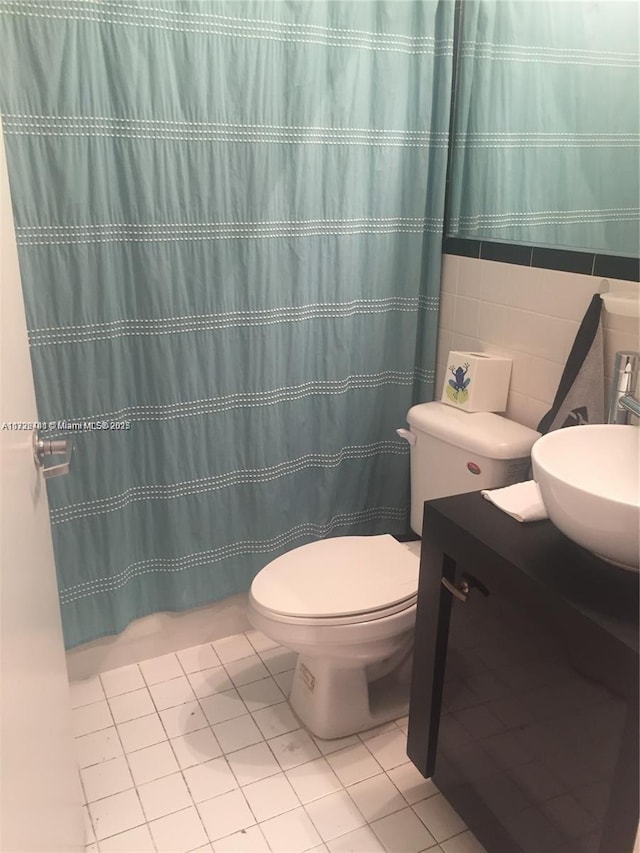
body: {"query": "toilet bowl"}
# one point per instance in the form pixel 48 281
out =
pixel 347 605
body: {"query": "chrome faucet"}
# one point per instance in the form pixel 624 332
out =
pixel 630 403
pixel 625 382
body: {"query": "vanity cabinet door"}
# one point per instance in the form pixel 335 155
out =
pixel 524 747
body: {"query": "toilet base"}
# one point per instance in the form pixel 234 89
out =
pixel 334 700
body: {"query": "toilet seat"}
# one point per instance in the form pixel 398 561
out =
pixel 330 621
pixel 345 580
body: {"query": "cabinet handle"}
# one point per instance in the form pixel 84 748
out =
pixel 461 590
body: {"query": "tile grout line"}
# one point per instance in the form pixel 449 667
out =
pixel 135 788
pixel 224 754
pixel 209 726
pixel 84 790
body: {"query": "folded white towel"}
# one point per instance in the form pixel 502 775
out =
pixel 521 501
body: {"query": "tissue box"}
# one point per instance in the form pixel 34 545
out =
pixel 477 382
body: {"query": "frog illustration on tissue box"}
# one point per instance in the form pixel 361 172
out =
pixel 457 387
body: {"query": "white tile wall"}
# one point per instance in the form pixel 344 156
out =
pixel 529 314
pixel 234 772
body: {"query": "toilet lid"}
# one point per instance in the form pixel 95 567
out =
pixel 344 576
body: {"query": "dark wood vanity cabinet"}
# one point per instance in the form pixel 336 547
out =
pixel 524 699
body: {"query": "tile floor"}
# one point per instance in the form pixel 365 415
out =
pixel 200 751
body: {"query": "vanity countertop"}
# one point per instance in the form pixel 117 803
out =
pixel 560 571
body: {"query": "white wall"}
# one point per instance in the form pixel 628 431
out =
pixel 529 314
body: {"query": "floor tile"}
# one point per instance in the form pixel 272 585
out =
pixel 279 660
pixel 223 706
pixel 195 748
pixel 161 669
pixel 168 694
pixel 225 815
pixel 293 748
pixel 98 746
pixel 402 831
pixel 285 680
pixel 276 720
pixel 464 843
pixel 197 658
pixel 183 719
pixel 116 813
pixel 210 681
pixel 108 777
pixel 271 797
pixel 291 832
pixel 164 796
pixel 237 733
pixel 260 641
pixel 122 680
pixel 353 764
pixel 233 648
pixel 141 732
pixel 313 780
pixel 128 706
pixel 246 670
pixel 326 747
pixel 334 815
pixel 439 817
pixel 178 832
pixel 85 692
pixel 389 749
pixel 376 797
pixel 411 783
pixel 91 718
pixel 261 694
pixel 138 839
pixel 152 762
pixel 253 763
pixel 360 840
pixel 219 754
pixel 210 779
pixel 249 840
pixel 378 730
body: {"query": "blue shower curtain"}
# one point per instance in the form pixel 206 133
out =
pixel 229 220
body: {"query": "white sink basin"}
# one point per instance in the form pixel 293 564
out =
pixel 589 477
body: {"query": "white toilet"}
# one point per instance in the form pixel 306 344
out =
pixel 347 605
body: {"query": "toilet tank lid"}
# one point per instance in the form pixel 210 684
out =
pixel 343 576
pixel 485 433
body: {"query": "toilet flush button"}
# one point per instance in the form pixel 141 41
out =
pixel 474 468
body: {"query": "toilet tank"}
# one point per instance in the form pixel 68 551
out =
pixel 455 452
